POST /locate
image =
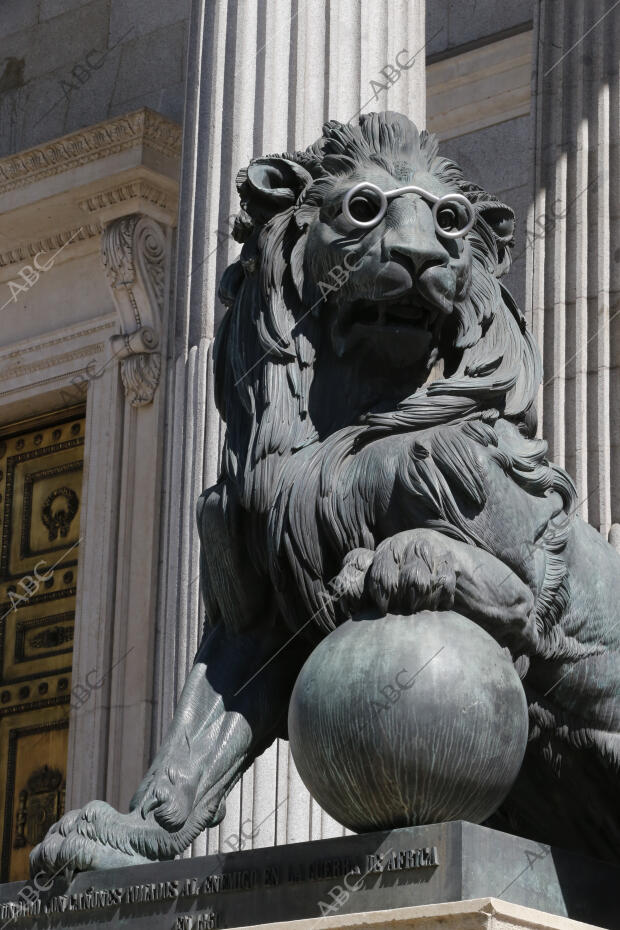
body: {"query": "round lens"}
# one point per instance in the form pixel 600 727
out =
pixel 363 208
pixel 454 216
pixel 364 205
pixel 448 219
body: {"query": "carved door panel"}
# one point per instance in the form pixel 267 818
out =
pixel 40 496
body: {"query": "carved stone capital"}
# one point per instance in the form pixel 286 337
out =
pixel 134 252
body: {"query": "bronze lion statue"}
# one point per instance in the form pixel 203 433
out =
pixel 378 386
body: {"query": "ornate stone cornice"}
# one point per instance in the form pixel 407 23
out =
pixel 41 362
pixel 42 353
pixel 90 351
pixel 124 193
pixel 28 250
pixel 141 128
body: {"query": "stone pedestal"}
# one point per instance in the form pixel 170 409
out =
pixel 455 874
pixel 477 914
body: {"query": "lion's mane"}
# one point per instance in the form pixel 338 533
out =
pixel 268 343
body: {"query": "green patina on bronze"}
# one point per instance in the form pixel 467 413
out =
pixel 356 479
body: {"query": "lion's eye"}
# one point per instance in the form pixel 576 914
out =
pixel 448 219
pixel 363 209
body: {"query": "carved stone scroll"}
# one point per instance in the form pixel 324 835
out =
pixel 133 251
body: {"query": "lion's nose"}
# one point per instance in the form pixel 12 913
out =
pixel 424 263
pixel 419 257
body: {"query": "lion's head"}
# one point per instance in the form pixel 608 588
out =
pixel 331 326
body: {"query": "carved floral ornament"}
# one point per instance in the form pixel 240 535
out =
pixel 59 509
pixel 133 251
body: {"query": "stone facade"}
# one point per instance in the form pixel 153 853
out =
pixel 110 194
pixel 92 125
pixel 70 64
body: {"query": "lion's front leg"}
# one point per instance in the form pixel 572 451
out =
pixel 422 569
pixel 233 705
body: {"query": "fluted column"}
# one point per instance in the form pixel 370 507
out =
pixel 574 261
pixel 262 77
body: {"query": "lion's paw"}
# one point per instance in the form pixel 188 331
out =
pixel 407 573
pixel 95 837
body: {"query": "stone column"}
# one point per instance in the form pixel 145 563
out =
pixel 262 77
pixel 574 264
pixel 109 737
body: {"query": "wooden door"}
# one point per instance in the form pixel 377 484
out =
pixel 41 464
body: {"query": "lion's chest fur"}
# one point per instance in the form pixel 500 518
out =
pixel 463 480
pixel 485 486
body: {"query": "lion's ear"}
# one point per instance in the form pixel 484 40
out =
pixel 276 182
pixel 501 219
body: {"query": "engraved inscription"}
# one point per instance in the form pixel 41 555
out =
pixel 403 859
pixel 318 870
pixel 206 920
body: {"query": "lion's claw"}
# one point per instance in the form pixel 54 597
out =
pixel 95 837
pixel 348 585
pixel 405 574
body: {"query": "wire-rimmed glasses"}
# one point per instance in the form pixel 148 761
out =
pixel 447 210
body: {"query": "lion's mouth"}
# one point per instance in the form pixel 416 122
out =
pixel 401 331
pixel 395 315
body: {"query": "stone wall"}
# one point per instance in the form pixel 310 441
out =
pixel 70 63
pixel 498 157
